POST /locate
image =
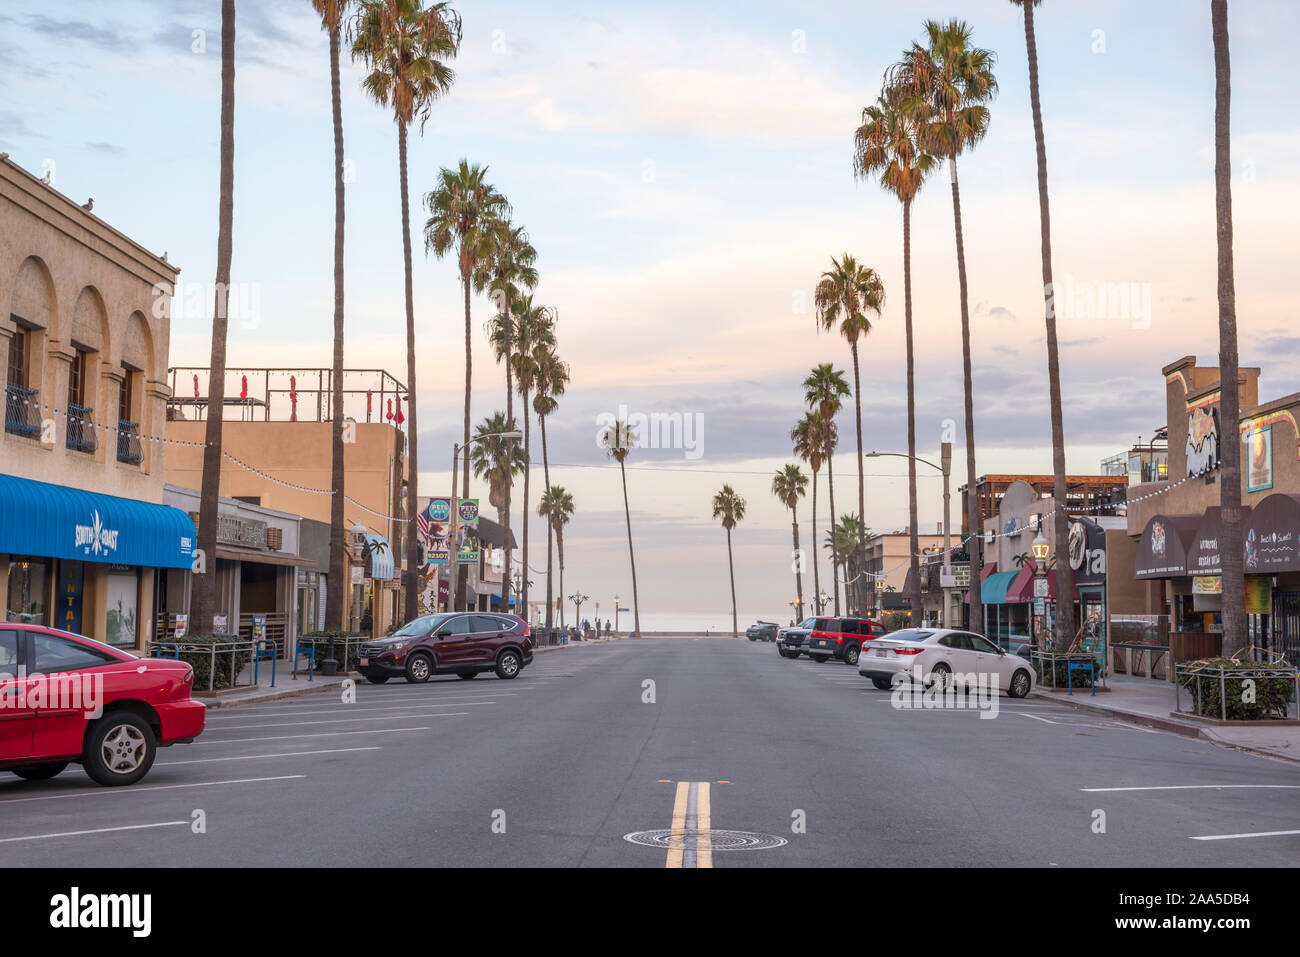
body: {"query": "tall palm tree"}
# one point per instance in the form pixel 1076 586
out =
pixel 550 377
pixel 824 391
pixel 332 14
pixel 789 485
pixel 811 437
pixel 618 440
pixel 498 460
pixel 464 208
pixel 534 325
pixel 887 143
pixel 947 85
pixel 405 47
pixel 205 586
pixel 509 266
pixel 730 509
pixel 1234 585
pixel 556 507
pixel 1064 573
pixel 845 295
pixel 842 538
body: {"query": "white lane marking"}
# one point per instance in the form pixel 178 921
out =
pixel 1233 837
pixel 1036 717
pixel 98 830
pixel 243 713
pixel 250 757
pixel 141 790
pixel 332 734
pixel 317 721
pixel 1196 787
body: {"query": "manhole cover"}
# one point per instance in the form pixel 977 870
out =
pixel 719 840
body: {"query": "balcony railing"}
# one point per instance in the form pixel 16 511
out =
pixel 81 429
pixel 129 449
pixel 22 411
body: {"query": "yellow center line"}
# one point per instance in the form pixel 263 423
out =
pixel 677 838
pixel 703 836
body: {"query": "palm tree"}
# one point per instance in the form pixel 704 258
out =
pixel 618 440
pixel 205 586
pixel 405 47
pixel 887 143
pixel 789 485
pixel 842 538
pixel 812 440
pixel 556 507
pixel 464 209
pixel 332 13
pixel 1064 574
pixel 730 509
pixel 844 296
pixel 947 86
pixel 1234 585
pixel 824 391
pixel 498 460
pixel 550 376
pixel 534 325
pixel 509 266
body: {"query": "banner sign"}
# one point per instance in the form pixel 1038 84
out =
pixel 436 517
pixel 467 530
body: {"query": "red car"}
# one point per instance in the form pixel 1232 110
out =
pixel 66 698
pixel 841 638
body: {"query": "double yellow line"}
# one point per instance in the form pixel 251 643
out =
pixel 691 839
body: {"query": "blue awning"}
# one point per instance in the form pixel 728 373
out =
pixel 993 590
pixel 381 557
pixel 55 521
pixel 496 600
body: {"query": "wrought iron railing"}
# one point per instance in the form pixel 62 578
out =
pixel 81 429
pixel 22 411
pixel 129 449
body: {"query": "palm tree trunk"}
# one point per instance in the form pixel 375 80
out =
pixel 862 479
pixel 835 555
pixel 798 568
pixel 1234 585
pixel 914 583
pixel 546 470
pixel 510 479
pixel 627 513
pixel 559 547
pixel 411 607
pixel 731 567
pixel 817 583
pixel 462 580
pixel 528 470
pixel 338 581
pixel 976 539
pixel 1061 521
pixel 204 596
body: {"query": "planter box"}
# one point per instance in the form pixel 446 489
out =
pixel 1052 672
pixel 1236 693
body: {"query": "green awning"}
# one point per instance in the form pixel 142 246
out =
pixel 993 591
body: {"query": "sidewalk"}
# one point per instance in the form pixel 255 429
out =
pixel 287 687
pixel 1150 703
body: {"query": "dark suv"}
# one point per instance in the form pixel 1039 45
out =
pixel 840 638
pixel 457 643
pixel 789 641
pixel 762 631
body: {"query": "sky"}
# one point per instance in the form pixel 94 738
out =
pixel 685 173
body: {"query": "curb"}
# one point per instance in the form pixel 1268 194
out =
pixel 1132 717
pixel 271 695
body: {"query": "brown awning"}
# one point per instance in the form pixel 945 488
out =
pixel 1204 555
pixel 266 558
pixel 1162 550
pixel 1272 535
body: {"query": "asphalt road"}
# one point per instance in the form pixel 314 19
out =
pixel 556 767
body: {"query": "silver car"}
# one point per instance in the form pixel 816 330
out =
pixel 937 654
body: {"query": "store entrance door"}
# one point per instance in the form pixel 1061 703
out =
pixel 1286 615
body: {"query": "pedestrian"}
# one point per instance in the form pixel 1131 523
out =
pixel 607 628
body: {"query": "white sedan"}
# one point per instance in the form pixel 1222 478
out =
pixel 940 653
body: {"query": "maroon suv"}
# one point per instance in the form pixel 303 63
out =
pixel 457 643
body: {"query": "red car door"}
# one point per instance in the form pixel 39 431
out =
pixel 72 680
pixel 17 717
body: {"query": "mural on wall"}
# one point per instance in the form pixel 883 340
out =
pixel 1259 463
pixel 1202 440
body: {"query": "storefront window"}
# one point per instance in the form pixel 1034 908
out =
pixel 27 582
pixel 122 595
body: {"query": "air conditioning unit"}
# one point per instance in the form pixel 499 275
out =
pixel 274 538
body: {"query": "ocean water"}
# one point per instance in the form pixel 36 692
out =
pixel 694 621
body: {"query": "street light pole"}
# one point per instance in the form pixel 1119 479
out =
pixel 946 469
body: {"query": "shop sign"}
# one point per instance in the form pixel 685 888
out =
pixel 246 532
pixel 1259 459
pixel 1259 595
pixel 954 576
pixel 1203 439
pixel 182 626
pixel 70 580
pixel 1207 585
pixel 95 538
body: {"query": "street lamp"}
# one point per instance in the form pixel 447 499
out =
pixel 822 599
pixel 945 456
pixel 616 601
pixel 452 549
pixel 1041 549
pixel 577 598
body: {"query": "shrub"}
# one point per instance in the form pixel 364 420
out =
pixel 1272 691
pixel 228 664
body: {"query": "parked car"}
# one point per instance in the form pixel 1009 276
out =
pixel 457 643
pixel 762 631
pixel 65 698
pixel 940 653
pixel 789 641
pixel 840 638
